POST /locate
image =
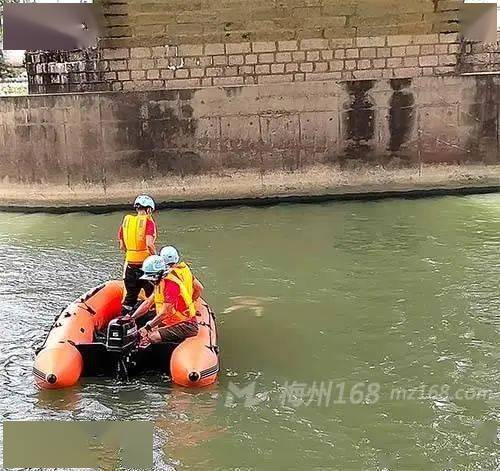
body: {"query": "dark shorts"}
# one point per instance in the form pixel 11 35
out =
pixel 133 286
pixel 178 332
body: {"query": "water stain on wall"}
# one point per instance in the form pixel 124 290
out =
pixel 162 127
pixel 359 119
pixel 401 113
pixel 483 116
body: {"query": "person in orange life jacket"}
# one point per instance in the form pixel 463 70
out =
pixel 176 290
pixel 137 236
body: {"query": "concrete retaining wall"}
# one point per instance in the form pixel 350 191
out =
pixel 105 138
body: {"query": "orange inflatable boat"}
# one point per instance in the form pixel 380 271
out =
pixel 88 338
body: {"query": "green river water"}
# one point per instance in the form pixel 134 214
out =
pixel 353 335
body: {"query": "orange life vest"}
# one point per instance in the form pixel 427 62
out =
pixel 182 276
pixel 134 237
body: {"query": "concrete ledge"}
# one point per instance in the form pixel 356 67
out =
pixel 266 201
pixel 314 185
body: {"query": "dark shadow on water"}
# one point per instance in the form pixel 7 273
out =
pixel 60 399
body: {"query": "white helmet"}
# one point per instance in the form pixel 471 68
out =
pixel 170 254
pixel 154 267
pixel 144 201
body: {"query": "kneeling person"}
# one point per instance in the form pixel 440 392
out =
pixel 174 295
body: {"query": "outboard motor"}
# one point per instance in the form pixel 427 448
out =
pixel 122 338
pixel 122 335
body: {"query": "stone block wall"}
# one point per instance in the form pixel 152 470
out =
pixel 218 64
pixel 63 72
pixel 157 44
pixel 250 63
pixel 479 57
pixel 157 22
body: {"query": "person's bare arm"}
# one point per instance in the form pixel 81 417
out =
pixel 143 308
pixel 120 239
pixel 197 289
pixel 150 244
pixel 165 311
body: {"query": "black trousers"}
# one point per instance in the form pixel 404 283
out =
pixel 133 286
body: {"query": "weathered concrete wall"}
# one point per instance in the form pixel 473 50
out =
pixel 104 138
pixel 153 44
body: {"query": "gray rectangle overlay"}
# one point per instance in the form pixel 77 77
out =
pixel 51 26
pixel 79 444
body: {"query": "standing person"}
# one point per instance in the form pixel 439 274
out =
pixel 176 290
pixel 137 236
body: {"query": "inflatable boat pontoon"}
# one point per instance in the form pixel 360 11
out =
pixel 89 338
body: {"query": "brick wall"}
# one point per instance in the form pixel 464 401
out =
pixel 220 64
pixel 480 57
pixel 158 22
pixel 153 44
pixel 61 72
